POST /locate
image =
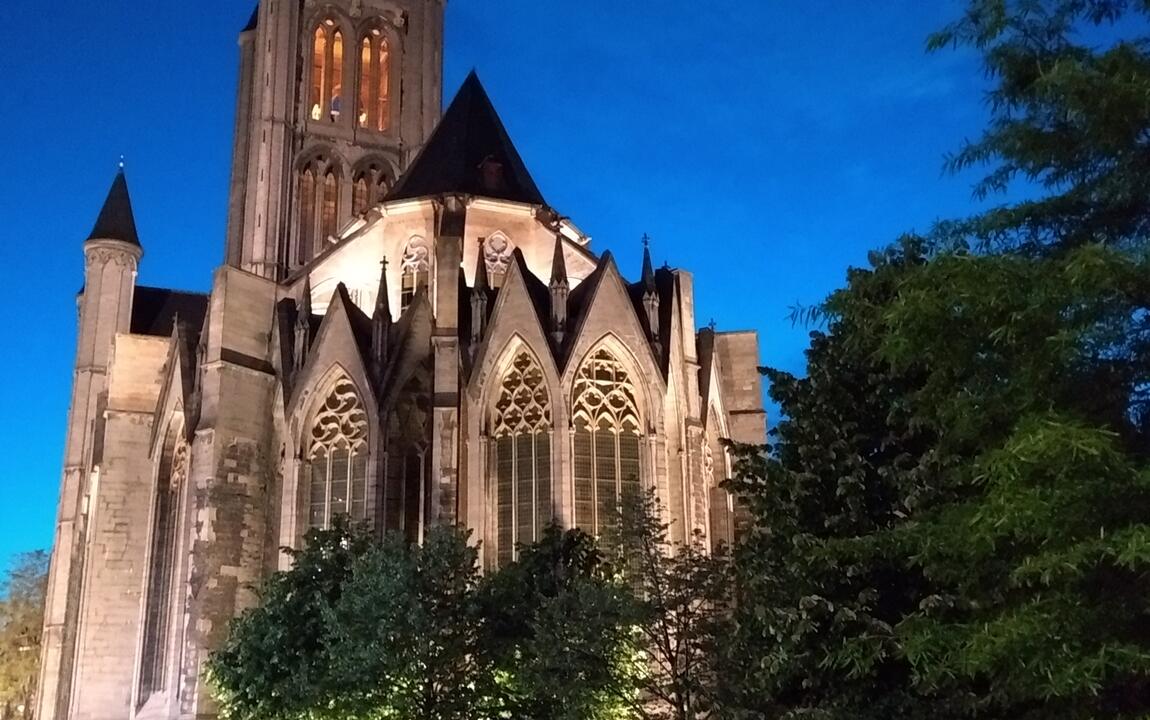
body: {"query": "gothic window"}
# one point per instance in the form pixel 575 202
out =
pixel 721 530
pixel 497 256
pixel 369 186
pixel 325 98
pixel 415 270
pixel 408 465
pixel 521 441
pixel 374 111
pixel 161 560
pixel 605 416
pixel 318 203
pixel 336 466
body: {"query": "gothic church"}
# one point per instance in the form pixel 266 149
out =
pixel 403 331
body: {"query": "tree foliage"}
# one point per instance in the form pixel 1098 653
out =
pixel 21 621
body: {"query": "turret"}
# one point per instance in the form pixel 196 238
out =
pixel 111 256
pixel 479 298
pixel 380 326
pixel 650 294
pixel 560 288
pixel 303 325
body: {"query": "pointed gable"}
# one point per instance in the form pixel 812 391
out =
pixel 344 338
pixel 116 221
pixel 469 152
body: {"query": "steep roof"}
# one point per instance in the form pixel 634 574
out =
pixel 116 221
pixel 154 310
pixel 469 152
pixel 254 22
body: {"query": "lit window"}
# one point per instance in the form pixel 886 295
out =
pixel 605 415
pixel 521 442
pixel 374 111
pixel 324 100
pixel 415 269
pixel 337 458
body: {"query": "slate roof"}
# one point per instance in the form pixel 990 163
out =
pixel 116 221
pixel 254 22
pixel 154 310
pixel 469 152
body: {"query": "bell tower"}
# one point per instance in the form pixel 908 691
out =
pixel 334 98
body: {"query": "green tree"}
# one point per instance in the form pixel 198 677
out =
pixel 683 595
pixel 557 625
pixel 21 621
pixel 952 520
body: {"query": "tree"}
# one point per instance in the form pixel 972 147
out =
pixel 276 663
pixel 557 625
pixel 683 597
pixel 952 520
pixel 21 621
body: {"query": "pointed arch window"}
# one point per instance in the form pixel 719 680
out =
pixel 374 111
pixel 325 98
pixel 415 271
pixel 408 473
pixel 607 431
pixel 721 521
pixel 173 470
pixel 369 187
pixel 336 465
pixel 318 203
pixel 521 457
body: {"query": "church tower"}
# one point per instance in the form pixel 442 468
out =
pixel 335 96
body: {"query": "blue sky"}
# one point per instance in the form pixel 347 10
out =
pixel 764 145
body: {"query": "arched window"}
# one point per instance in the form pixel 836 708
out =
pixel 521 442
pixel 318 203
pixel 605 416
pixel 326 72
pixel 497 256
pixel 173 471
pixel 415 270
pixel 408 464
pixel 336 465
pixel 374 111
pixel 722 509
pixel 369 186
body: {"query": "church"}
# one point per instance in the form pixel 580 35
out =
pixel 403 331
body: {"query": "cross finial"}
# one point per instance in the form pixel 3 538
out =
pixel 646 240
pixel 121 161
pixel 711 325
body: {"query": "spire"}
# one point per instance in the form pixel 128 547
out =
pixel 650 294
pixel 648 268
pixel 479 297
pixel 303 325
pixel 469 152
pixel 560 289
pixel 116 221
pixel 380 325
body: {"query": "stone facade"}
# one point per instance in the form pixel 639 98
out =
pixel 454 352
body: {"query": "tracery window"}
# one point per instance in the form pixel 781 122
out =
pixel 497 256
pixel 369 186
pixel 521 443
pixel 374 111
pixel 173 471
pixel 605 416
pixel 721 504
pixel 415 270
pixel 325 98
pixel 337 458
pixel 318 203
pixel 408 464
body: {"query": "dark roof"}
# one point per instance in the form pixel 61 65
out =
pixel 116 221
pixel 154 310
pixel 469 152
pixel 254 22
